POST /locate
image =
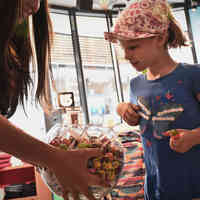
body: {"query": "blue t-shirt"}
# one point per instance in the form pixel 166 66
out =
pixel 167 103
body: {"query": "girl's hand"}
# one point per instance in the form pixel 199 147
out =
pixel 182 140
pixel 128 112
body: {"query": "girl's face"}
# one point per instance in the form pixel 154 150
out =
pixel 141 53
pixel 29 7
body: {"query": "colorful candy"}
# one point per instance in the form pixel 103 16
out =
pixel 107 166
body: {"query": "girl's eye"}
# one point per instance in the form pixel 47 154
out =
pixel 132 48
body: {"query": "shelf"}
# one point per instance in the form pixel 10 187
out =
pixel 24 174
pixel 17 175
pixel 25 165
pixel 27 198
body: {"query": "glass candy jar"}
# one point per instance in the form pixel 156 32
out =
pixel 108 166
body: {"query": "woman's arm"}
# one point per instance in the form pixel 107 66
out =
pixel 16 142
pixel 68 166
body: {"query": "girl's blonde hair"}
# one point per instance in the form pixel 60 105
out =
pixel 176 36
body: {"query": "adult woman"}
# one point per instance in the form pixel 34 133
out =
pixel 16 53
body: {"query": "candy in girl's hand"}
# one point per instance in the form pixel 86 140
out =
pixel 175 134
pixel 172 132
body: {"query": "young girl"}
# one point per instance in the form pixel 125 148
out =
pixel 166 97
pixel 15 79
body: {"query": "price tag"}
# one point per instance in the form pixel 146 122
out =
pixel 66 99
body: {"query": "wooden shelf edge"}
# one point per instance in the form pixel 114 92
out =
pixel 27 198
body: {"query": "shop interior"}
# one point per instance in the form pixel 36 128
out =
pixel 94 71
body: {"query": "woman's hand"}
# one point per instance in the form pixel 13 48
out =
pixel 183 141
pixel 128 112
pixel 70 168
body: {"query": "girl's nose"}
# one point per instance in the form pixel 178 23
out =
pixel 127 54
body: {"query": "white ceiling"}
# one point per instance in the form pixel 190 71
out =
pixel 67 3
pixel 175 1
pixel 72 3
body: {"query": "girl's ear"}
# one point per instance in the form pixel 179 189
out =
pixel 163 39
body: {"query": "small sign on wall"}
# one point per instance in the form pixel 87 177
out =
pixel 66 99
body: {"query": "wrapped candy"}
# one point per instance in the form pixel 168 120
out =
pixel 108 166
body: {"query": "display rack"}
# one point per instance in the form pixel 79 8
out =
pixel 25 174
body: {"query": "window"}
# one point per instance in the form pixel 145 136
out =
pixel 98 70
pixel 195 23
pixel 64 70
pixel 183 54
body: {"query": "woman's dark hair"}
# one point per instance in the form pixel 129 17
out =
pixel 16 54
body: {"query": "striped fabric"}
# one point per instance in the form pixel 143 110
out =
pixel 131 182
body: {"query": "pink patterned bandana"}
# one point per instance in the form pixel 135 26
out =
pixel 141 19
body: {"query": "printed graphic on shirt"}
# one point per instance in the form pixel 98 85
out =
pixel 160 118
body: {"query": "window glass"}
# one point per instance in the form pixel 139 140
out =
pixel 68 3
pixel 31 120
pixel 195 22
pixel 183 54
pixel 98 71
pixel 64 70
